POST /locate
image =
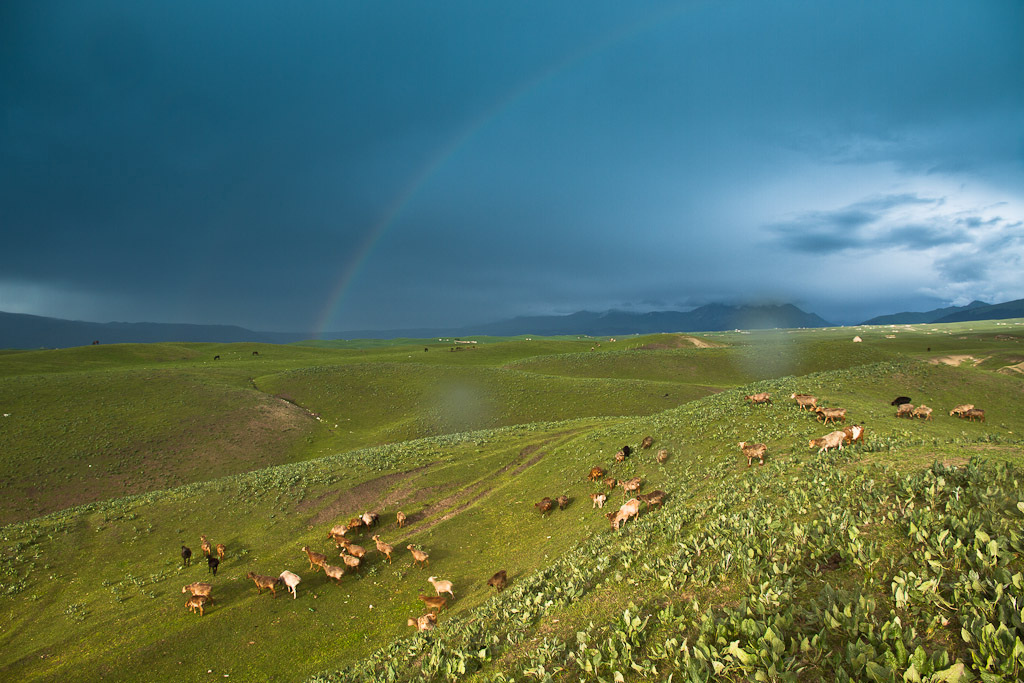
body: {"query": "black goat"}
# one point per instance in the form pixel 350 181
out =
pixel 900 400
pixel 186 556
pixel 212 562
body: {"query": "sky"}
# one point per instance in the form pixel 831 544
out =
pixel 339 165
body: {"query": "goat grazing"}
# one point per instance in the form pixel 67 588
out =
pixel 562 501
pixel 434 602
pixel 900 400
pixel 961 409
pixel 221 549
pixel 441 586
pixel 383 548
pixel 623 453
pixel 830 440
pixel 974 414
pixel 418 556
pixel 905 410
pixel 315 559
pixel 833 414
pixel 424 623
pixel 186 556
pixel 595 473
pixel 401 519
pixel 262 582
pixel 630 486
pixel 630 508
pixel 923 412
pixel 597 500
pixel 205 545
pixel 370 519
pixel 662 456
pixel 196 602
pixel 355 550
pixel 545 506
pixel 756 399
pixel 656 497
pixel 499 580
pixel 611 483
pixel 853 433
pixel 647 442
pixel 805 401
pixel 753 450
pixel 291 582
pixel 212 563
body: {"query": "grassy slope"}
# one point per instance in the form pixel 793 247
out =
pixel 111 570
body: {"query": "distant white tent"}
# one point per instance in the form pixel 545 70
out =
pixel 857 339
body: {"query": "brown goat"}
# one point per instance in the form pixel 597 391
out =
pixel 562 501
pixel 401 519
pixel 630 508
pixel 763 397
pixel 221 548
pixel 199 588
pixel 424 623
pixel 196 602
pixel 631 486
pixel 595 473
pixel 315 559
pixel 653 498
pixel 351 561
pixel 805 401
pixel 826 414
pixel 662 456
pixel 753 450
pixel 434 602
pixel 334 572
pixel 961 409
pixel 923 412
pixel 854 433
pixel 499 580
pixel 383 547
pixel 611 483
pixel 647 442
pixel 205 545
pixel 974 414
pixel 418 556
pixel 905 410
pixel 545 506
pixel 261 581
pixel 597 500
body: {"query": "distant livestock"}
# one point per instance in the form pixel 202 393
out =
pixel 833 414
pixel 291 582
pixel 961 409
pixel 499 580
pixel 545 506
pixel 647 442
pixel 595 473
pixel 186 556
pixel 830 440
pixel 900 400
pixel 854 433
pixel 974 414
pixel 923 412
pixel 662 456
pixel 905 410
pixel 753 450
pixel 597 500
pixel 756 399
pixel 212 563
pixel 805 401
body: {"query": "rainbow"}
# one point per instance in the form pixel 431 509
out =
pixel 362 254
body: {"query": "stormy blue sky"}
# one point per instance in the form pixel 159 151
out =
pixel 341 165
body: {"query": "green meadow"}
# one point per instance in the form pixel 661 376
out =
pixel 895 559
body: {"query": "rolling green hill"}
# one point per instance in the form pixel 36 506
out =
pixel 889 560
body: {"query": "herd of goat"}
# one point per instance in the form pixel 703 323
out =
pixel 353 555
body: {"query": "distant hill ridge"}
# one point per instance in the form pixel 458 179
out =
pixel 912 318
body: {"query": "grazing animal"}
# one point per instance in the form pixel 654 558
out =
pixel 315 559
pixel 291 582
pixel 833 414
pixel 630 508
pixel 339 539
pixel 623 453
pixel 354 523
pixel 611 483
pixel 662 456
pixel 647 442
pixel 923 412
pixel 961 409
pixel 597 500
pixel 630 486
pixel 334 572
pixel 354 550
pixel 370 519
pixel 656 497
pixel 212 563
pixel 255 353
pixel 499 580
pixel 434 602
pixel 900 400
pixel 595 473
pixel 351 561
pixel 221 549
pixel 337 530
pixel 853 433
pixel 562 501
pixel 424 623
pixel 216 357
pixel 205 545
pixel 418 556
pixel 805 401
pixel 383 548
pixel 974 414
pixel 401 519
pixel 753 450
pixel 830 440
pixel 186 556
pixel 199 588
pixel 763 397
pixel 262 582
pixel 196 602
pixel 905 410
pixel 545 506
pixel 441 586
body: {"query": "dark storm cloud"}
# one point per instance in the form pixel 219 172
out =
pixel 387 165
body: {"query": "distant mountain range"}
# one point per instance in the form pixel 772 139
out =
pixel 21 331
pixel 976 310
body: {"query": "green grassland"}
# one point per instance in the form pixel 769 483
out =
pixel 896 559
